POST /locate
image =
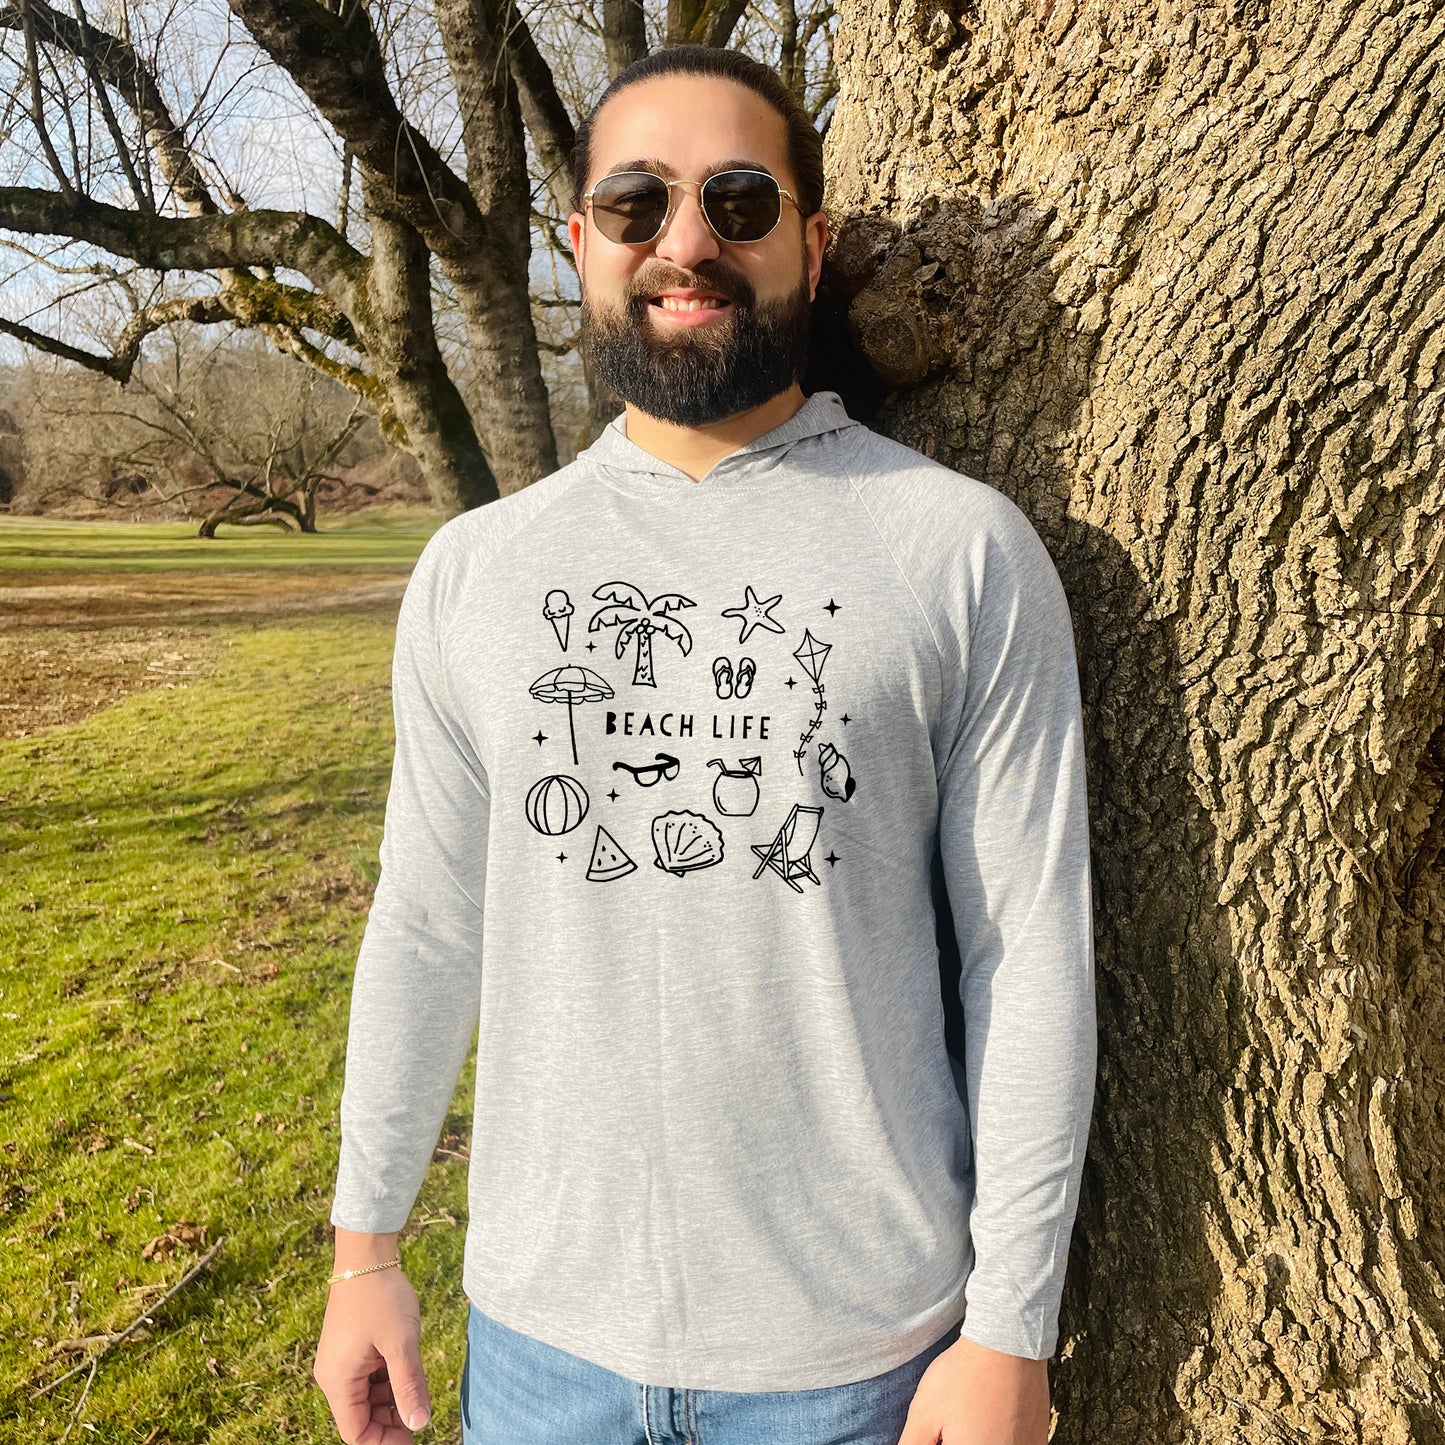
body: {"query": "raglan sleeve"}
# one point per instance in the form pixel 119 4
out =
pixel 416 992
pixel 1013 839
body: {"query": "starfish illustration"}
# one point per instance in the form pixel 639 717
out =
pixel 755 614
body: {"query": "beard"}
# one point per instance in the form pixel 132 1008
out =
pixel 699 374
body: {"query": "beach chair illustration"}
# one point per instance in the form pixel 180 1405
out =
pixel 787 854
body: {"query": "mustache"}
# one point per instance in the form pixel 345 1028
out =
pixel 707 277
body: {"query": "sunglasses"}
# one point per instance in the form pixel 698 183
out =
pixel 632 207
pixel 645 776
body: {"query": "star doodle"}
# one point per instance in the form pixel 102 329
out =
pixel 753 613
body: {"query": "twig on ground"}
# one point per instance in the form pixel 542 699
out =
pixel 144 1318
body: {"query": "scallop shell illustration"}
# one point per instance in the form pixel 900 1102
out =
pixel 685 842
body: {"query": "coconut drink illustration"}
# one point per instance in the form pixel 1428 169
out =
pixel 735 790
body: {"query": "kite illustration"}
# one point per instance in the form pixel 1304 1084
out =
pixel 811 655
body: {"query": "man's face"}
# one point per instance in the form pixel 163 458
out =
pixel 693 367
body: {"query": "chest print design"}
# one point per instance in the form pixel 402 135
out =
pixel 724 682
pixel 556 804
pixel 685 841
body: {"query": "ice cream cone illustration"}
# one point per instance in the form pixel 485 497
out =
pixel 558 611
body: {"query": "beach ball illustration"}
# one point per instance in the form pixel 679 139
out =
pixel 556 804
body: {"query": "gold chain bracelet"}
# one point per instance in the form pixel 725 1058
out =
pixel 352 1273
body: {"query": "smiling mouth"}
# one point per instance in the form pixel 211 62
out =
pixel 673 303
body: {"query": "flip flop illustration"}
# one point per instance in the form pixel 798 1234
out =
pixel 747 670
pixel 722 675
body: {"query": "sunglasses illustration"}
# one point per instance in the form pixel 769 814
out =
pixel 645 776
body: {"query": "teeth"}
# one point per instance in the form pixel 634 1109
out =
pixel 672 303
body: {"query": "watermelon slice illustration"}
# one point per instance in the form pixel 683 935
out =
pixel 609 861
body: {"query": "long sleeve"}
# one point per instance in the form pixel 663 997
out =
pixel 1013 835
pixel 415 998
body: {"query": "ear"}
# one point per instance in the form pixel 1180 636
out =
pixel 577 235
pixel 815 241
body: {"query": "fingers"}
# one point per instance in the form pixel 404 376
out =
pixel 409 1388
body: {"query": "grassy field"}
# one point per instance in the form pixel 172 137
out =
pixel 188 852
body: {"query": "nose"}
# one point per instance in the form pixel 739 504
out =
pixel 687 238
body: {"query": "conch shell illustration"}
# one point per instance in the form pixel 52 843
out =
pixel 685 841
pixel 838 781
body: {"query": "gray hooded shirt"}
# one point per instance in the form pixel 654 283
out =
pixel 672 760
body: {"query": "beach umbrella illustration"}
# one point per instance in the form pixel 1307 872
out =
pixel 571 685
pixel 811 655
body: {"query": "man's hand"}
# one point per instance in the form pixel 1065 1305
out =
pixel 368 1361
pixel 971 1395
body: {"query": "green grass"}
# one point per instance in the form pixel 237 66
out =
pixel 384 538
pixel 185 880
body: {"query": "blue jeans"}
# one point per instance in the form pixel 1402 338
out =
pixel 519 1391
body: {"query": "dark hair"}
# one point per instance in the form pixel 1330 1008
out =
pixel 805 145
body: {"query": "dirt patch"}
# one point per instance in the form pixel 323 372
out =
pixel 74 643
pixel 60 676
pixel 67 599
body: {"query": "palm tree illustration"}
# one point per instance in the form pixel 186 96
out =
pixel 638 619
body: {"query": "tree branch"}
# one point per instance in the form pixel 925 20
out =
pixel 624 34
pixel 337 62
pixel 117 63
pixel 290 239
pixel 543 112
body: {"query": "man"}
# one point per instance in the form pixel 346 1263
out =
pixel 678 730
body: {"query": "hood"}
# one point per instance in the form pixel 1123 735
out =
pixel 820 416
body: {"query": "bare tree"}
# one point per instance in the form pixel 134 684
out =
pixel 221 430
pixel 451 135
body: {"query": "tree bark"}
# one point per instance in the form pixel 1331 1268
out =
pixel 1173 279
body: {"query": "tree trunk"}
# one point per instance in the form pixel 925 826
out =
pixel 1172 278
pixel 402 341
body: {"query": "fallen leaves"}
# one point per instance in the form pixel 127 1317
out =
pixel 180 1235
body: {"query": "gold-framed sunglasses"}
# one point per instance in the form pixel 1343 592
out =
pixel 632 207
